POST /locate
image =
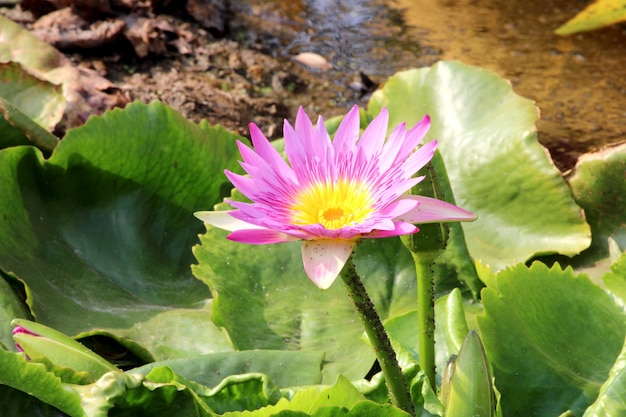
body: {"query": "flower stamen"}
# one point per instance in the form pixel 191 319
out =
pixel 333 205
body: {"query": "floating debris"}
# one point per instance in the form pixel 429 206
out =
pixel 313 60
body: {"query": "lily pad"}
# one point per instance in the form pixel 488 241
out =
pixel 37 98
pixel 495 165
pixel 33 378
pixel 598 185
pixel 17 129
pixel 552 338
pixel 615 279
pixel 30 107
pixel 101 233
pixel 11 307
pixel 341 399
pixel 612 398
pixel 285 368
pixel 264 299
pixel 83 89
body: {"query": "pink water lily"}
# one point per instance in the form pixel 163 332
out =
pixel 332 193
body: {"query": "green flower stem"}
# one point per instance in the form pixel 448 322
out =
pixel 396 383
pixel 425 248
pixel 426 314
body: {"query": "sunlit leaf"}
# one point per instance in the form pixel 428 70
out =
pixel 30 107
pixel 265 301
pixel 341 399
pixel 83 89
pixel 17 129
pixel 615 279
pixel 496 167
pixel 552 338
pixel 598 185
pixel 598 14
pixel 37 98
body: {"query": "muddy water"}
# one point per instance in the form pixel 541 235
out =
pixel 578 82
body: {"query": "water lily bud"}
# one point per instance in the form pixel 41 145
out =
pixel 468 391
pixel 39 341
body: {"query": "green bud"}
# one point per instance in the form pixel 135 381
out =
pixel 37 341
pixel 468 391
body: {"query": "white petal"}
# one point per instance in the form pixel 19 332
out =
pixel 324 259
pixel 223 220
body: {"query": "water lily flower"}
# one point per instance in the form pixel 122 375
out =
pixel 331 193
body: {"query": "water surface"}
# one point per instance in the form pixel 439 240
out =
pixel 577 81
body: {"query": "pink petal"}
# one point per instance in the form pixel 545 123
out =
pixel 259 236
pixel 310 142
pixel 392 147
pixel 267 152
pixel 420 158
pixel 224 220
pixel 399 207
pixel 247 185
pixel 401 228
pixel 322 143
pixel 413 137
pixel 324 259
pixel 305 145
pixel 293 148
pixel 348 131
pixel 304 126
pixel 373 137
pixel 431 210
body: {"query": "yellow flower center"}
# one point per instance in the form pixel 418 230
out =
pixel 333 205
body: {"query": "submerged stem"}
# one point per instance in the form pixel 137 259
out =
pixel 396 383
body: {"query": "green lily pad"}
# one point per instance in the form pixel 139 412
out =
pixel 552 338
pixel 264 299
pixel 30 107
pixel 101 233
pixel 17 129
pixel 11 307
pixel 615 279
pixel 285 368
pixel 37 98
pixel 33 378
pixel 84 90
pixel 496 167
pixel 612 398
pixel 599 187
pixel 18 403
pixel 341 399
